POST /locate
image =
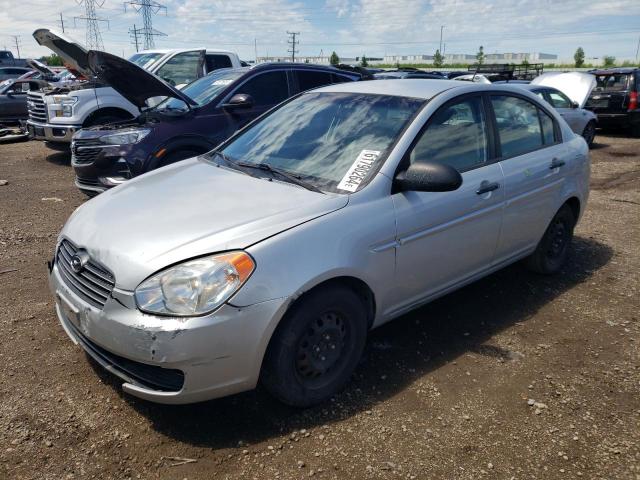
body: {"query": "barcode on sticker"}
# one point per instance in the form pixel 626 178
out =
pixel 359 171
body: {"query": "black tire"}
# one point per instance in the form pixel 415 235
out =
pixel 635 130
pixel 552 251
pixel 589 133
pixel 316 348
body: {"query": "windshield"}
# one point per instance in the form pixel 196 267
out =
pixel 612 82
pixel 203 90
pixel 336 141
pixel 144 60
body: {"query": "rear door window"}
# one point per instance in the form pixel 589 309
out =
pixel 308 79
pixel 456 136
pixel 518 125
pixel 266 88
pixel 216 61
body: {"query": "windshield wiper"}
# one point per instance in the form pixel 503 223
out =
pixel 292 178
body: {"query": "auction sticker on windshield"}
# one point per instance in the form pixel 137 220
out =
pixel 359 170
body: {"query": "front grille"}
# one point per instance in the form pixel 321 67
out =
pixel 37 108
pixel 151 376
pixel 93 283
pixel 88 182
pixel 86 151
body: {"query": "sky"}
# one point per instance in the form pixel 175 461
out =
pixel 349 27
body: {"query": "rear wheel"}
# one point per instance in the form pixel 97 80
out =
pixel 551 252
pixel 316 348
pixel 635 130
pixel 589 133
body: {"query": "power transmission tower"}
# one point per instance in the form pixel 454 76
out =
pixel 293 44
pixel 16 38
pixel 93 37
pixel 133 33
pixel 147 8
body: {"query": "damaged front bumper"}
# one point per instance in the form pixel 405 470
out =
pixel 170 360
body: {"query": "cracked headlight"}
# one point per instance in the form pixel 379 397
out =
pixel 196 287
pixel 125 138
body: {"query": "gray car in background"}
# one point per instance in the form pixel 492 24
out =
pixel 270 258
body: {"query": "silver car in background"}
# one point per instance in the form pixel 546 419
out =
pixel 568 94
pixel 270 258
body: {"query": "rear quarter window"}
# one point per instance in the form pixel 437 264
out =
pixel 613 82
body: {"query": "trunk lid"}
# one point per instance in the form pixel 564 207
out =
pixel 131 81
pixel 73 54
pixel 575 85
pixel 611 94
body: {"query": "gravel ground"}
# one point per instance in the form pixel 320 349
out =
pixel 514 377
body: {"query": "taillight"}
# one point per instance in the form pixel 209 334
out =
pixel 633 101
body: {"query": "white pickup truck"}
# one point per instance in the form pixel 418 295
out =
pixel 55 114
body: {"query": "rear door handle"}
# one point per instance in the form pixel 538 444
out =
pixel 486 187
pixel 555 163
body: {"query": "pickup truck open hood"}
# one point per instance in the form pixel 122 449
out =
pixel 73 54
pixel 131 81
pixel 186 210
pixel 575 85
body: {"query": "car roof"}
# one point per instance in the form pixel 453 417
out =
pixel 164 51
pixel 608 71
pixel 410 87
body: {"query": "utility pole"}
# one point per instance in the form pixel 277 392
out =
pixel 255 48
pixel 638 49
pixel 147 8
pixel 441 29
pixel 93 35
pixel 293 44
pixel 135 33
pixel 16 38
pixel 61 22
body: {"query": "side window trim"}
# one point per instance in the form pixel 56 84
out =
pixel 488 131
pixel 556 127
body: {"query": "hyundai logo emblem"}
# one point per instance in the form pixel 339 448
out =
pixel 79 260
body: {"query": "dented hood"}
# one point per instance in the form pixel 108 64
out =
pixel 73 54
pixel 131 81
pixel 575 85
pixel 185 210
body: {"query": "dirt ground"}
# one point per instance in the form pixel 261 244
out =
pixel 517 376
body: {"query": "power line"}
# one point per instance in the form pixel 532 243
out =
pixel 147 8
pixel 293 44
pixel 93 35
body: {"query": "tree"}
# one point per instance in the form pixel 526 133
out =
pixel 579 57
pixel 334 59
pixel 480 55
pixel 52 60
pixel 363 62
pixel 438 60
pixel 609 61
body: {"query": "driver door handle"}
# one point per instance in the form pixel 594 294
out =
pixel 486 187
pixel 555 163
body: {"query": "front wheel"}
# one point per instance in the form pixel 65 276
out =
pixel 589 133
pixel 552 251
pixel 316 348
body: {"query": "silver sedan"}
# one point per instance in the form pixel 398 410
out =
pixel 270 258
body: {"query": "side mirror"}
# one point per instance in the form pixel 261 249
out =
pixel 428 177
pixel 575 105
pixel 238 101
